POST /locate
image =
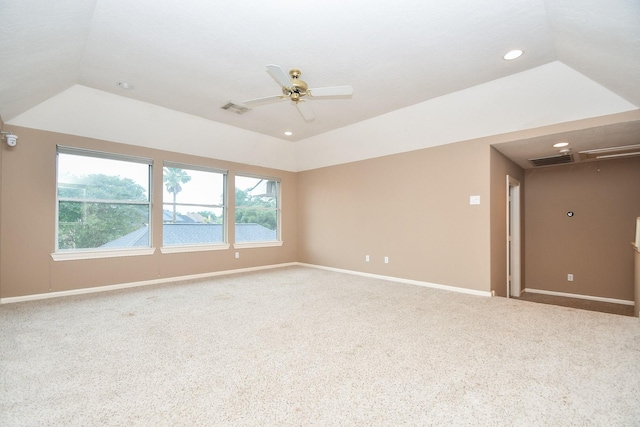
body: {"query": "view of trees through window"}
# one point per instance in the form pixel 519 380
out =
pixel 193 205
pixel 193 196
pixel 100 200
pixel 104 202
pixel 256 203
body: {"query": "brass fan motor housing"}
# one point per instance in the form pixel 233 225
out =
pixel 299 87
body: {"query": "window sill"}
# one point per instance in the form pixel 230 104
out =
pixel 257 245
pixel 194 248
pixel 72 256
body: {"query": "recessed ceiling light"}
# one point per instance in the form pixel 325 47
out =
pixel 288 133
pixel 513 55
pixel 125 85
pixel 560 144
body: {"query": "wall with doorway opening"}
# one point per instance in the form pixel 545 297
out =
pixel 500 168
pixel 594 245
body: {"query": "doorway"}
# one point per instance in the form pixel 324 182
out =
pixel 513 237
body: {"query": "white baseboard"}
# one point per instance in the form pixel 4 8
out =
pixel 105 288
pixel 588 297
pixel 137 284
pixel 400 280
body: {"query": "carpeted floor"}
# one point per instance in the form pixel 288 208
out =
pixel 299 346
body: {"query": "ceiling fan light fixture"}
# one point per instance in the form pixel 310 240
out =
pixel 297 91
pixel 516 53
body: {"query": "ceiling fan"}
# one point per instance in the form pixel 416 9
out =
pixel 296 90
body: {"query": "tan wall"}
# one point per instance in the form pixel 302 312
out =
pixel 412 207
pixel 27 222
pixel 594 245
pixel 500 168
pixel 636 255
pixel 2 149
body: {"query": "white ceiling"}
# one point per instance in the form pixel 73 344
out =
pixel 194 56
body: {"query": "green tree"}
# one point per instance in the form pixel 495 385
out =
pixel 88 216
pixel 255 209
pixel 173 178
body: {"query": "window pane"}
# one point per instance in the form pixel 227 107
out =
pixel 102 225
pixel 102 202
pixel 194 187
pixel 192 214
pixel 256 192
pixel 193 209
pixel 89 178
pixel 256 209
pixel 256 225
pixel 193 225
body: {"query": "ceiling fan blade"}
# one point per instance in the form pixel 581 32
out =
pixel 332 91
pixel 261 101
pixel 305 111
pixel 278 75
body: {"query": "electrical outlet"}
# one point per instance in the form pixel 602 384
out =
pixel 570 277
pixel 237 255
pixel 386 260
pixel 366 258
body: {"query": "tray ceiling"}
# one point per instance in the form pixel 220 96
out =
pixel 195 56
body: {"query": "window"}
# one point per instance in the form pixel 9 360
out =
pixel 103 200
pixel 257 209
pixel 194 205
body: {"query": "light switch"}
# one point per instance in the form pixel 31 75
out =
pixel 474 200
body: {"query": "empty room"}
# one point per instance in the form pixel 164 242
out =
pixel 319 213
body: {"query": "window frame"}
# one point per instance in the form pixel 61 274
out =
pixel 199 247
pixel 278 209
pixel 92 253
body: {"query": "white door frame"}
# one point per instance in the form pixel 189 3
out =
pixel 513 237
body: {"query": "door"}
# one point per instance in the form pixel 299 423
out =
pixel 513 237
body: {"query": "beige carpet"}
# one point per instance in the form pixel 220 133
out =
pixel 299 346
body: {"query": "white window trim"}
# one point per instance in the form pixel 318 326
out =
pixel 75 151
pixel 77 254
pixel 247 245
pixel 193 248
pixel 180 165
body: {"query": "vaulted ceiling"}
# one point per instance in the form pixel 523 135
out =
pixel 193 56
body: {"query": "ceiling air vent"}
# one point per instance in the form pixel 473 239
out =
pixel 240 109
pixel 560 159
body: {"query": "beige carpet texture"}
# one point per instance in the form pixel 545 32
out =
pixel 299 346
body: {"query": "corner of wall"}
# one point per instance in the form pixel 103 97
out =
pixel 1 169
